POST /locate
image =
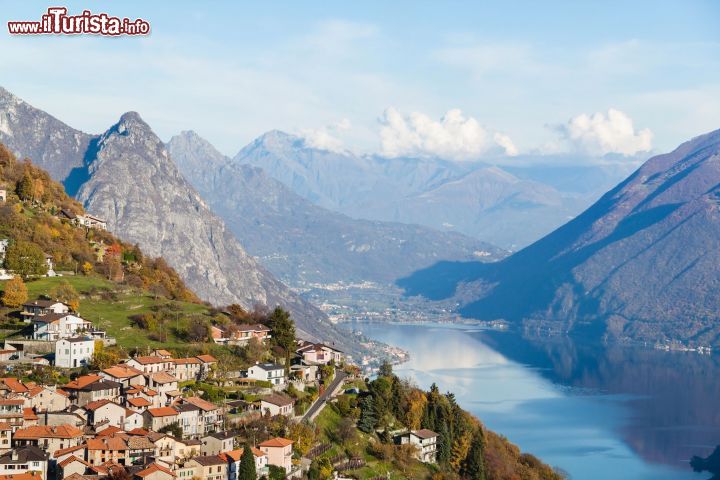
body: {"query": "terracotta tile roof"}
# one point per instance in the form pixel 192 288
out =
pixel 83 381
pixel 139 402
pixel 138 431
pixel 186 361
pixel 63 451
pixel 276 442
pixel 11 401
pixel 15 385
pixel 149 360
pixel 99 403
pixel 111 430
pixel 203 404
pixel 253 328
pixel 71 459
pixel 162 412
pixel 25 476
pixel 114 443
pixel 163 377
pixel 154 467
pixel 236 455
pixel 29 414
pixel 122 371
pixel 207 358
pixel 424 433
pixel 163 352
pixel 4 426
pixel 45 431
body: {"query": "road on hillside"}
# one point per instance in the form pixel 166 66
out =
pixel 322 399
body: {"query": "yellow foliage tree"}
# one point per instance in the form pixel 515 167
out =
pixel 87 268
pixel 416 407
pixel 460 449
pixel 15 293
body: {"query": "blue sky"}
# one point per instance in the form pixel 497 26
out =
pixel 516 77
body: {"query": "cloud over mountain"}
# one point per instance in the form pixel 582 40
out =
pixel 600 134
pixel 454 136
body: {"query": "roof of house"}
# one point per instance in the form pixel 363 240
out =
pixel 11 401
pixel 112 443
pixel 207 358
pixel 82 382
pixel 29 414
pixel 52 317
pixel 4 426
pixel 162 377
pixel 27 476
pixel 163 352
pixel 278 400
pixel 139 402
pixel 276 442
pixel 222 435
pixel 203 404
pixel 122 371
pixel 47 431
pixel 185 361
pixel 424 433
pixel 269 366
pixel 153 468
pixel 110 430
pixel 162 411
pixel 150 360
pixel 236 455
pixel 63 451
pixel 253 328
pixel 209 460
pixel 186 407
pixel 99 403
pixel 71 459
pixel 15 385
pixel 42 303
pixel 24 454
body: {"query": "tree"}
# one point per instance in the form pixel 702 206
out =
pixel 174 429
pixel 66 293
pixel 25 187
pixel 198 329
pixel 385 369
pixel 276 473
pixel 345 432
pixel 87 268
pixel 473 467
pixel 247 464
pixel 304 437
pixel 283 333
pixel 25 259
pixel 15 293
pixel 368 418
pixel 103 358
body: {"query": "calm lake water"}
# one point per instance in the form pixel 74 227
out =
pixel 596 412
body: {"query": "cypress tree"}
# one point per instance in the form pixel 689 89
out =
pixel 247 471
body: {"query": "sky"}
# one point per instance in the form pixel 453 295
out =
pixel 460 80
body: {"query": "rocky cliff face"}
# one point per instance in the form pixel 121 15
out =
pixel 301 242
pixel 641 263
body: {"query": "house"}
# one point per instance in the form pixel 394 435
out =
pixel 91 221
pixel 40 307
pixel 211 416
pixel 42 398
pixel 107 449
pixel 74 352
pixel 189 419
pixel 77 417
pixel 12 385
pixel 49 438
pixel 124 375
pixel 11 411
pixel 140 404
pixel 5 437
pixel 65 453
pixel 73 465
pixel 54 326
pixel 186 448
pixel 24 460
pixel 151 364
pixel 217 443
pixel 305 373
pixel 90 388
pixel 207 364
pixel 319 353
pixel 269 372
pixel 163 383
pixel 162 353
pixel 233 458
pixel 426 442
pixel 139 391
pixel 210 467
pixel 106 413
pixel 187 368
pixel 279 452
pixel 240 334
pixel 277 404
pixel 157 418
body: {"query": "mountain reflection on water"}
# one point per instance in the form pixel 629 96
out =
pixel 596 411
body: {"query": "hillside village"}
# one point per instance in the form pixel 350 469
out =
pixel 112 368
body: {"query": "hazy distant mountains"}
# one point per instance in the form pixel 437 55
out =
pixel 509 207
pixel 301 242
pixel 641 263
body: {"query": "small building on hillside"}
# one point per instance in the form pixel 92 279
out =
pixel 55 326
pixel 74 352
pixel 40 307
pixel 217 443
pixel 277 404
pixel 425 441
pixel 319 353
pixel 269 372
pixel 279 452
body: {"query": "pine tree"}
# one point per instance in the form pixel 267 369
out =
pixel 368 418
pixel 473 468
pixel 15 293
pixel 247 471
pixel 283 333
pixel 25 187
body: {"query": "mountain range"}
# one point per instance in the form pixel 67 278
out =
pixel 303 243
pixel 509 206
pixel 640 264
pixel 126 176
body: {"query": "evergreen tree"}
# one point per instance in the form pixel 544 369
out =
pixel 473 468
pixel 385 369
pixel 247 471
pixel 368 417
pixel 283 333
pixel 444 443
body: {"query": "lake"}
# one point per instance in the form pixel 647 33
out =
pixel 597 412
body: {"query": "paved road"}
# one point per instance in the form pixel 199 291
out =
pixel 319 404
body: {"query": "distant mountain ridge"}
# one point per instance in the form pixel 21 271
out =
pixel 301 242
pixel 642 263
pixel 508 207
pixel 127 176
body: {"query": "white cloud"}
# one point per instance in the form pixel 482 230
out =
pixel 600 134
pixel 326 138
pixel 454 136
